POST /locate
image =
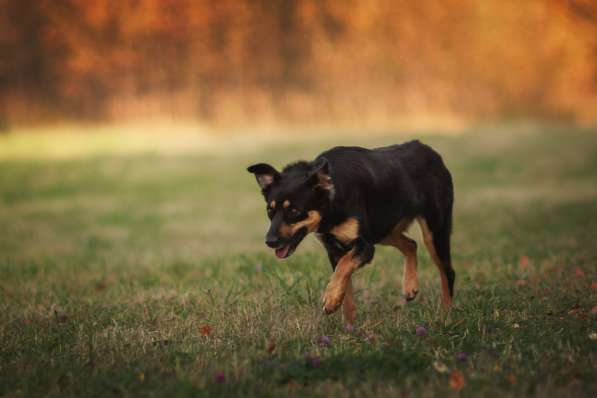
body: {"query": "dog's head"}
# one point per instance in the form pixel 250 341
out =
pixel 296 200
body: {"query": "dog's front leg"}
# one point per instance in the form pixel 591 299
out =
pixel 341 284
pixel 349 309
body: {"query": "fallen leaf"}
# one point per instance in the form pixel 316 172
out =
pixel 205 330
pixel 594 310
pixel 593 285
pixel 578 312
pixel 512 379
pixel 271 346
pixel 521 282
pixel 456 380
pixel 579 272
pixel 523 262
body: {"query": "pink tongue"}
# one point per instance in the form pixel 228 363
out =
pixel 282 252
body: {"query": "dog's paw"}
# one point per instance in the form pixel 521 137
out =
pixel 333 296
pixel 410 287
pixel 410 295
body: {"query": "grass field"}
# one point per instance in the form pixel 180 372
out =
pixel 139 269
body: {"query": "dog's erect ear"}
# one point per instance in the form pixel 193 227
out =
pixel 265 174
pixel 320 177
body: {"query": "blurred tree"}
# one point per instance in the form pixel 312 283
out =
pixel 30 55
pixel 297 61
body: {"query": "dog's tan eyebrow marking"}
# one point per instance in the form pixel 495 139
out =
pixel 347 231
pixel 286 204
pixel 311 222
pixel 272 204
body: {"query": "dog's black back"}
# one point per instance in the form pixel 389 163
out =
pixel 386 185
pixel 359 197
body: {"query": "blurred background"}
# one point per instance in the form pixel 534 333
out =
pixel 307 63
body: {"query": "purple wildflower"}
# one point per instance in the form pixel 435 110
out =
pixel 220 377
pixel 461 356
pixel 420 331
pixel 313 360
pixel 350 328
pixel 324 340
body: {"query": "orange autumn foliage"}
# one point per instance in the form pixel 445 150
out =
pixel 298 61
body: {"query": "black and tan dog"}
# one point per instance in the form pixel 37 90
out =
pixel 354 198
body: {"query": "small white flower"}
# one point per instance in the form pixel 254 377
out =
pixel 440 367
pixel 516 326
pixel 593 336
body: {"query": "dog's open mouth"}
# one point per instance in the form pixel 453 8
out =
pixel 284 251
pixel 287 249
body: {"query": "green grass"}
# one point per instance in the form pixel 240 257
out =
pixel 111 263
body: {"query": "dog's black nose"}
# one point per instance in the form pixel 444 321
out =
pixel 272 242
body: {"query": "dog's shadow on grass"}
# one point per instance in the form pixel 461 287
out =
pixel 381 363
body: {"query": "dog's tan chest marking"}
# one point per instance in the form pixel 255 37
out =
pixel 286 204
pixel 347 231
pixel 311 223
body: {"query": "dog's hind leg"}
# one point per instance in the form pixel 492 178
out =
pixel 408 248
pixel 437 240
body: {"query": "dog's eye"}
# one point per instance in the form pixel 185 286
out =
pixel 293 214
